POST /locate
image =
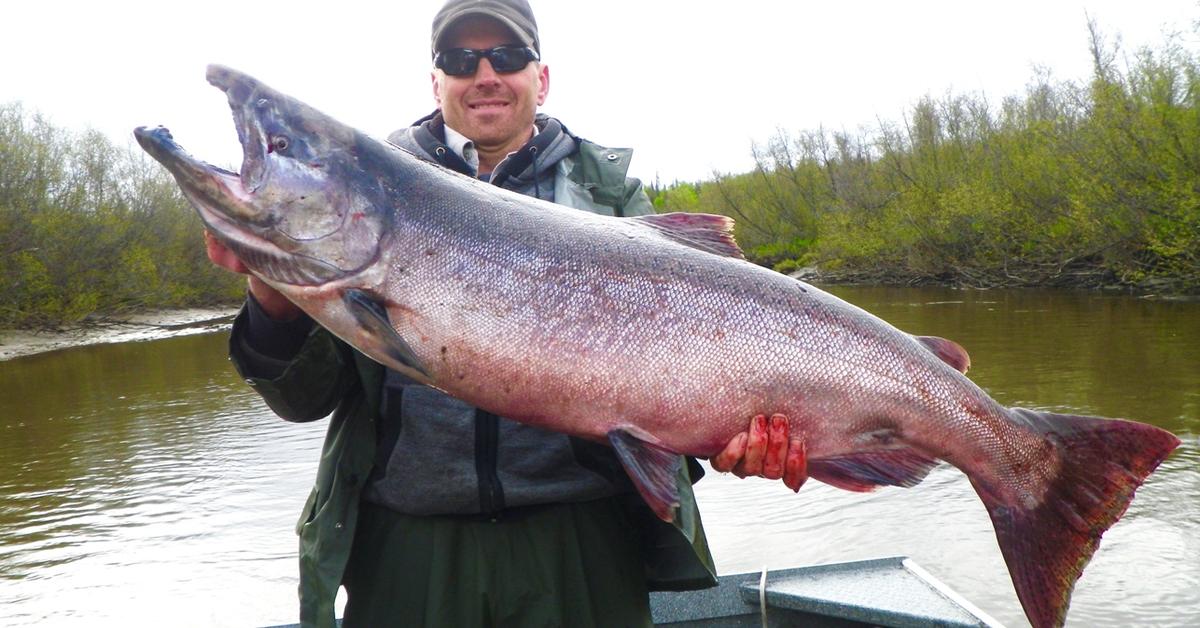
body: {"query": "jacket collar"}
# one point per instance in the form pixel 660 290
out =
pixel 427 138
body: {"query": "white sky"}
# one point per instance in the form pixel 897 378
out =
pixel 689 85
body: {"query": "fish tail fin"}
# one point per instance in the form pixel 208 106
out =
pixel 1049 533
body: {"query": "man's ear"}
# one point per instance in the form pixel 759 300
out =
pixel 543 83
pixel 436 78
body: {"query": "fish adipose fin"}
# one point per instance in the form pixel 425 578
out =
pixel 377 331
pixel 1048 541
pixel 707 232
pixel 949 351
pixel 652 467
pixel 867 470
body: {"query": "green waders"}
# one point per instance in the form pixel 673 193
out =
pixel 571 565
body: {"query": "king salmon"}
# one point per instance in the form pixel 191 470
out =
pixel 651 333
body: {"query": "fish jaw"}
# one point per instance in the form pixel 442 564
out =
pixel 239 90
pixel 216 193
pixel 232 214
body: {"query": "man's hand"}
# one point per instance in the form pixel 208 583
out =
pixel 221 256
pixel 272 301
pixel 765 452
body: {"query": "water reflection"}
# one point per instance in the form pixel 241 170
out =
pixel 145 484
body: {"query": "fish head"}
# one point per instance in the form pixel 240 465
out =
pixel 301 209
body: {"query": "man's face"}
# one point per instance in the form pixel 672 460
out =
pixel 489 108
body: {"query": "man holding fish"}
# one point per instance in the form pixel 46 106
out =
pixel 649 333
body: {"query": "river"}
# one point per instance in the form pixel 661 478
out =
pixel 145 484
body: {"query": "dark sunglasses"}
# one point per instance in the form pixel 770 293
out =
pixel 464 61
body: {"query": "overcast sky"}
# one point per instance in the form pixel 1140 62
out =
pixel 689 84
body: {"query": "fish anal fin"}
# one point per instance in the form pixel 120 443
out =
pixel 867 470
pixel 707 232
pixel 652 467
pixel 376 332
pixel 1046 541
pixel 948 351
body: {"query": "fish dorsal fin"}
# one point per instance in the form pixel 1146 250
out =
pixel 949 351
pixel 707 232
pixel 652 467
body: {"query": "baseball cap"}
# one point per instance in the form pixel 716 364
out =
pixel 514 14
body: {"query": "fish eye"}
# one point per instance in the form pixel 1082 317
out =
pixel 279 143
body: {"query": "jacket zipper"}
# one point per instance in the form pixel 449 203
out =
pixel 487 437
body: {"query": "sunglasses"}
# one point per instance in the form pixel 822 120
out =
pixel 464 61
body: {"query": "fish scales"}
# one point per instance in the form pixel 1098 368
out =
pixel 559 290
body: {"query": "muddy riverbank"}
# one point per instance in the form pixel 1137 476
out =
pixel 151 325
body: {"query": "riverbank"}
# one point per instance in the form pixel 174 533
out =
pixel 1079 280
pixel 150 325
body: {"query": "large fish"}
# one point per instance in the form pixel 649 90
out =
pixel 651 333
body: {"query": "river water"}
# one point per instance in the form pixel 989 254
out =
pixel 145 484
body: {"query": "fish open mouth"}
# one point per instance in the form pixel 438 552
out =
pixel 226 209
pixel 235 206
pixel 197 176
pixel 218 194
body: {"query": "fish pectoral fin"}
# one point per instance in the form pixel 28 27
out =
pixel 377 332
pixel 652 467
pixel 948 351
pixel 707 232
pixel 867 470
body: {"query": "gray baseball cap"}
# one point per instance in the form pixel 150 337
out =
pixel 515 14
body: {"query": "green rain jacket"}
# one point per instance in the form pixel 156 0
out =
pixel 328 376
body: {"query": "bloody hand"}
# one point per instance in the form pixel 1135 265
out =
pixel 765 452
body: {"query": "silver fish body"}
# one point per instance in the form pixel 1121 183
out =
pixel 650 332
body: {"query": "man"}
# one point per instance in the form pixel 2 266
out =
pixel 432 512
